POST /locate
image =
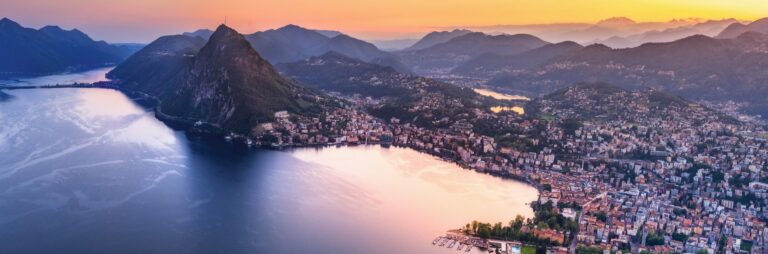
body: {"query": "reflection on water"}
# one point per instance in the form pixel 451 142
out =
pixel 516 109
pixel 91 76
pixel 88 171
pixel 501 96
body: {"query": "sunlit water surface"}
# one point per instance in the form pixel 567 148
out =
pixel 90 76
pixel 501 96
pixel 89 171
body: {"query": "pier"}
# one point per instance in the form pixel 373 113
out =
pixel 461 242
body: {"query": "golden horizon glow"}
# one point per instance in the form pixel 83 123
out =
pixel 144 20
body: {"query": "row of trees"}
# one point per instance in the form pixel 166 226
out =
pixel 512 231
pixel 520 229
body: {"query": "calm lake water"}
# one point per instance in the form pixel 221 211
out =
pixel 89 171
pixel 501 96
pixel 62 79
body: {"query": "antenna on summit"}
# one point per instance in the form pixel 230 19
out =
pixel 225 20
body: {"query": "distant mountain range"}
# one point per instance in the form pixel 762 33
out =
pixel 51 49
pixel 729 67
pixel 697 67
pixel 293 43
pixel 225 83
pixel 441 58
pixel 394 44
pixel 434 38
pixel 493 64
pixel 614 31
pixel 736 29
pixel 204 34
pixel 708 28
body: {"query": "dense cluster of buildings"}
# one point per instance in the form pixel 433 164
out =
pixel 638 172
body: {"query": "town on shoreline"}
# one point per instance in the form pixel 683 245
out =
pixel 650 178
pixel 674 178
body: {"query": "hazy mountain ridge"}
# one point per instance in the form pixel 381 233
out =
pixel 30 52
pixel 601 31
pixel 490 64
pixel 202 33
pixel 697 67
pixel 443 57
pixel 293 43
pixel 736 29
pixel 709 28
pixel 434 38
pixel 394 44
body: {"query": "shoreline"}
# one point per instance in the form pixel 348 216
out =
pixel 190 127
pixel 31 75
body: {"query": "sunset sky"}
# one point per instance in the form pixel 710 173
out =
pixel 144 20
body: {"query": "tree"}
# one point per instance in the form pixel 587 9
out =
pixel 484 232
pixel 679 237
pixel 497 229
pixel 722 243
pixel 654 239
pixel 602 216
pixel 517 224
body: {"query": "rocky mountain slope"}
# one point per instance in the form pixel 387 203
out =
pixel 158 68
pixel 225 84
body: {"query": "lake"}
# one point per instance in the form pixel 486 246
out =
pixel 89 171
pixel 517 109
pixel 90 76
pixel 500 96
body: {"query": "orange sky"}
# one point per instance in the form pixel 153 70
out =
pixel 144 20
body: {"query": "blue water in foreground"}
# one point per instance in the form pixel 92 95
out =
pixel 89 171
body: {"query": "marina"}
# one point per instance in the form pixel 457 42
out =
pixel 461 242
